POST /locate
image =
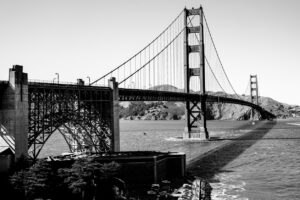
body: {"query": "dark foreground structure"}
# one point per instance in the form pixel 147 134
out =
pixel 123 175
pixel 136 167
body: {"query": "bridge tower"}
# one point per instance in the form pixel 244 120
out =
pixel 253 92
pixel 193 111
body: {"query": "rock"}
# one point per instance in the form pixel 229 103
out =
pixel 199 189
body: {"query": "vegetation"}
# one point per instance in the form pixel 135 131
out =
pixel 35 182
pixel 44 180
pixel 152 111
pixel 219 111
pixel 175 112
pixel 135 109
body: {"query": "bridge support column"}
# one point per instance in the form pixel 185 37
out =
pixel 253 93
pixel 14 110
pixel 115 121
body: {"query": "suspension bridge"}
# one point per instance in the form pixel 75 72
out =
pixel 181 64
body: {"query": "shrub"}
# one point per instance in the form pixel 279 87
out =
pixel 35 182
pixel 175 112
pixel 79 181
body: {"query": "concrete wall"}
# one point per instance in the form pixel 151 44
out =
pixel 6 162
pixel 149 168
pixel 14 109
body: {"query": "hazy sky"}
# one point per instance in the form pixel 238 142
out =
pixel 80 38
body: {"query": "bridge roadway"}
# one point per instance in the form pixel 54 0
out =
pixel 153 95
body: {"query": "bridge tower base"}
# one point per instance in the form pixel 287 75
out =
pixel 196 133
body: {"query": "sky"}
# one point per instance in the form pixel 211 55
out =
pixel 81 38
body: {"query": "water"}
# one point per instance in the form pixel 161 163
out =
pixel 263 164
pixel 252 161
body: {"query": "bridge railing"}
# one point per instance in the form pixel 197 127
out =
pixel 37 81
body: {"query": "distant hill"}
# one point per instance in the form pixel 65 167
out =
pixel 220 111
pixel 281 110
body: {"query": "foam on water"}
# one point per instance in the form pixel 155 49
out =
pixel 228 187
pixel 176 139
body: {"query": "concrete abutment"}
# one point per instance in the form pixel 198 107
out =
pixel 14 109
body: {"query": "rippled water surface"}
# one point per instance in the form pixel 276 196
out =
pixel 262 164
pixel 246 161
pixel 270 168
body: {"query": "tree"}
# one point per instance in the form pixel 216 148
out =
pixel 84 175
pixel 79 181
pixel 36 182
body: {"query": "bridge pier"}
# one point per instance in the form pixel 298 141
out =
pixel 115 121
pixel 14 110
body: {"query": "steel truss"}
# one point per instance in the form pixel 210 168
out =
pixel 79 113
pixel 194 113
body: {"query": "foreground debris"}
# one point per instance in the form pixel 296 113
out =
pixel 197 189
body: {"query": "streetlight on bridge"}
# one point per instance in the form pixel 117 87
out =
pixel 57 74
pixel 89 79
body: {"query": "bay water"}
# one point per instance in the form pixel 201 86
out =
pixel 243 160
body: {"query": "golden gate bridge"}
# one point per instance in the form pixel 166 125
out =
pixel 181 64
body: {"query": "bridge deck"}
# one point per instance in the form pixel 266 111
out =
pixel 65 86
pixel 152 95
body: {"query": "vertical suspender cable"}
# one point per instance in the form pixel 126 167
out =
pixel 154 64
pixel 167 57
pixel 149 85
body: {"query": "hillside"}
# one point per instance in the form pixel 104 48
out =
pixel 220 111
